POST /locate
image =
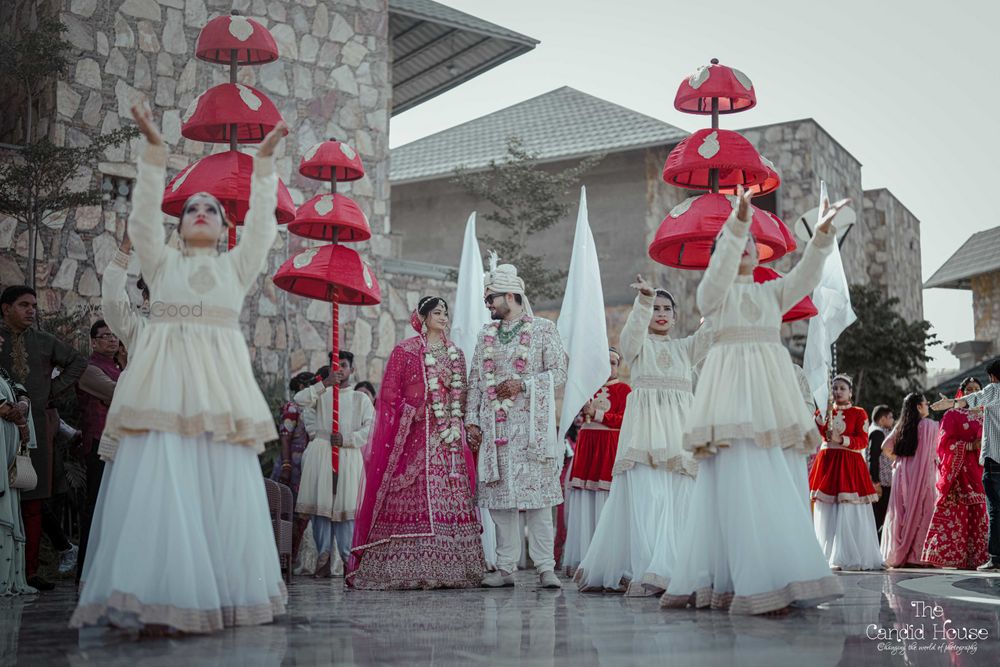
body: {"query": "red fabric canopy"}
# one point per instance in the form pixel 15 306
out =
pixel 211 115
pixel 319 217
pixel 227 177
pixel 329 158
pixel 226 36
pixel 685 237
pixel 803 310
pixel 771 183
pixel 737 160
pixel 333 273
pixel 731 87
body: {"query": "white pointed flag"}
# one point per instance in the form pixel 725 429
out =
pixel 470 313
pixel 582 325
pixel 833 301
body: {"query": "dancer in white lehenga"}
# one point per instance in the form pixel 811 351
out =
pixel 640 525
pixel 184 543
pixel 749 544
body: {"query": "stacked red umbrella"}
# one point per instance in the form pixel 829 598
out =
pixel 333 272
pixel 230 113
pixel 717 161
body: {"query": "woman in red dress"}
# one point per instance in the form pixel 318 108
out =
pixel 957 536
pixel 841 486
pixel 593 459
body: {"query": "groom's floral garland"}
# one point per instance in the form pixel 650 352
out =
pixel 446 399
pixel 500 407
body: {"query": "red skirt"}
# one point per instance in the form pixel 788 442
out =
pixel 841 476
pixel 594 458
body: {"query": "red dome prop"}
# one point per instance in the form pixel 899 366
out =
pixel 227 177
pixel 803 310
pixel 329 158
pixel 684 239
pixel 212 115
pixel 731 87
pixel 769 185
pixel 738 162
pixel 226 36
pixel 319 217
pixel 333 273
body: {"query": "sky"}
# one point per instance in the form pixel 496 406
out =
pixel 909 87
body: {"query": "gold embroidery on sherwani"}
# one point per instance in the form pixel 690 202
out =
pixel 19 358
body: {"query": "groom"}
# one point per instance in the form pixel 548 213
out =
pixel 510 420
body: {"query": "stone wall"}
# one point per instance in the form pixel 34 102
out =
pixel 332 80
pixel 986 308
pixel 894 251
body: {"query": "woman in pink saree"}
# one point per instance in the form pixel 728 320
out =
pixel 958 532
pixel 417 525
pixel 911 505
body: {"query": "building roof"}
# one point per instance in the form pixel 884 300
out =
pixel 950 386
pixel 435 48
pixel 560 124
pixel 979 255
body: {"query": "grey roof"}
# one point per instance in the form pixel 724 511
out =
pixel 979 255
pixel 560 124
pixel 435 48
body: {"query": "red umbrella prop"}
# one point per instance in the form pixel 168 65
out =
pixel 331 161
pixel 692 161
pixel 332 273
pixel 331 217
pixel 228 38
pixel 729 88
pixel 227 177
pixel 803 310
pixel 219 112
pixel 770 184
pixel 685 238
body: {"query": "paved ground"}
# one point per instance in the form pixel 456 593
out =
pixel 530 626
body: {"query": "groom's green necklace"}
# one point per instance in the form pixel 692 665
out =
pixel 507 336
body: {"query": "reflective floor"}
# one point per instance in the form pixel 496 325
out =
pixel 944 617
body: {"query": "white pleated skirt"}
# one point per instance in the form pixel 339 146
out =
pixel 583 509
pixel 641 502
pixel 749 545
pixel 182 538
pixel 846 532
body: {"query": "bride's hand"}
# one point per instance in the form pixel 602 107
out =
pixel 144 119
pixel 271 140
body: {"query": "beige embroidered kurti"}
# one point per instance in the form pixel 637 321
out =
pixel 748 388
pixel 524 473
pixel 661 375
pixel 190 372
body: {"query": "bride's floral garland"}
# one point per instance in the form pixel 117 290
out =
pixel 446 400
pixel 500 407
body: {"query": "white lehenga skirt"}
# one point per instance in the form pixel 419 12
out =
pixel 583 510
pixel 749 544
pixel 316 497
pixel 642 500
pixel 846 532
pixel 182 539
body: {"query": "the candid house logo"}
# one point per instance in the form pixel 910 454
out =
pixel 931 632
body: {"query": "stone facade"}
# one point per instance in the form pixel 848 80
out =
pixel 627 200
pixel 986 308
pixel 332 81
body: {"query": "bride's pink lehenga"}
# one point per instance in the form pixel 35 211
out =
pixel 417 525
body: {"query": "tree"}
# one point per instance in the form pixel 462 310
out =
pixel 885 354
pixel 34 183
pixel 526 199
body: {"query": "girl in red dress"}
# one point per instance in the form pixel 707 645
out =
pixel 841 486
pixel 957 536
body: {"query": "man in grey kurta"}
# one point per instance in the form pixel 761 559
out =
pixel 510 418
pixel 29 356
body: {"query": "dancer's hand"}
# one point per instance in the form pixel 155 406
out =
pixel 744 212
pixel 271 140
pixel 642 286
pixel 144 119
pixel 589 410
pixel 944 403
pixel 126 246
pixel 828 213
